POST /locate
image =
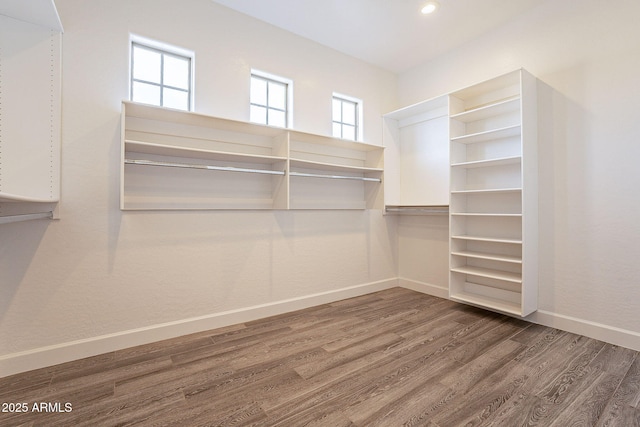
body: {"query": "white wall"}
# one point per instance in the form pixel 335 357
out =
pixel 98 278
pixel 587 54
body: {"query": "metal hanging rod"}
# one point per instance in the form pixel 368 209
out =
pixel 318 175
pixel 25 217
pixel 418 210
pixel 204 167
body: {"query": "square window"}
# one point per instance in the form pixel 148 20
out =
pixel 346 113
pixel 270 98
pixel 160 77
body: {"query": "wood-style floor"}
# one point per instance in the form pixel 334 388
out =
pixel 393 358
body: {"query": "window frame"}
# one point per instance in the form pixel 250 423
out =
pixel 165 50
pixel 358 132
pixel 272 78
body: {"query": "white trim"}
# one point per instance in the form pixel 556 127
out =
pixel 617 336
pixel 282 80
pixel 60 353
pixel 424 288
pixel 611 334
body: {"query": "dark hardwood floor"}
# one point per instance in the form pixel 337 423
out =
pixel 393 358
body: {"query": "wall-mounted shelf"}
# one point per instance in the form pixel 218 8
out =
pixel 184 160
pixel 494 109
pixel 30 119
pixel 38 12
pixel 488 162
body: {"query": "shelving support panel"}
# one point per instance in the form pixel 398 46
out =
pixel 30 117
pixel 182 160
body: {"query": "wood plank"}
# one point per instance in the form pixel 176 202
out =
pixel 623 409
pixel 394 357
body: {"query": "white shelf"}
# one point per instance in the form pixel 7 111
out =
pixel 39 12
pixel 501 107
pixel 166 153
pixel 497 304
pixel 489 273
pixel 175 151
pixel 488 191
pixel 488 256
pixel 328 141
pixel 15 198
pixel 332 167
pixel 191 118
pixel 488 163
pixel 488 215
pixel 505 132
pixel 488 239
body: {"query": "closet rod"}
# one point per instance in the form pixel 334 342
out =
pixel 423 210
pixel 25 217
pixel 205 167
pixel 319 175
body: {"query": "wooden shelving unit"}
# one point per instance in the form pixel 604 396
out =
pixel 493 198
pixel 184 160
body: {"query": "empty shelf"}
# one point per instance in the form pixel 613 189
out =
pixel 488 256
pixel 489 273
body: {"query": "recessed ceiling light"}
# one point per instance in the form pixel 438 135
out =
pixel 430 7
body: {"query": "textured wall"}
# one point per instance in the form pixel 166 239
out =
pixel 100 271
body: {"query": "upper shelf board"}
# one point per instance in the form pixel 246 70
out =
pixel 39 12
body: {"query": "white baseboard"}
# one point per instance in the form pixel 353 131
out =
pixel 425 288
pixel 598 331
pixel 52 355
pixel 617 336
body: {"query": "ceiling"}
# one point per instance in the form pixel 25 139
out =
pixel 392 34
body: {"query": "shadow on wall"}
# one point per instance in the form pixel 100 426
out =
pixel 559 165
pixel 19 243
